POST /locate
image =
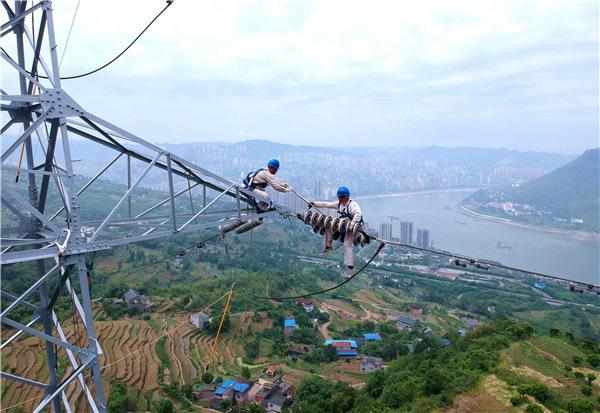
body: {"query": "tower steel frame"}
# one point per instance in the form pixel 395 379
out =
pixel 58 242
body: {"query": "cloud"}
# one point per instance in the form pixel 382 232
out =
pixel 325 67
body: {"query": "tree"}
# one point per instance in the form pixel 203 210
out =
pixel 577 360
pixel 579 375
pixel 165 406
pixel 246 372
pixel 218 380
pixel 207 377
pixel 586 391
pixel 226 404
pixel 554 332
pixel 255 408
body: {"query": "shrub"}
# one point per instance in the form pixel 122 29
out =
pixel 579 405
pixel 586 391
pixel 517 400
pixel 534 408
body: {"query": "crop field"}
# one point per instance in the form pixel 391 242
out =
pixel 131 345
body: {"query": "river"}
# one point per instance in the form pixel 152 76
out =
pixel 552 253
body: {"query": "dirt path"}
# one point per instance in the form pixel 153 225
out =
pixel 324 329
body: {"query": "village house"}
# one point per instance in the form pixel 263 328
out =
pixel 369 364
pixel 308 305
pixel 371 337
pixel 233 390
pixel 199 319
pixel 344 348
pixel 275 401
pixel 470 322
pixel 416 310
pixel 404 322
pixel 137 301
pixel 289 325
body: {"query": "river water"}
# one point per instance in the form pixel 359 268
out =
pixel 551 253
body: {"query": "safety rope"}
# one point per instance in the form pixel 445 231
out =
pixel 216 340
pixel 292 297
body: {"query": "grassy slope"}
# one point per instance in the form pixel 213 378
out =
pixel 541 359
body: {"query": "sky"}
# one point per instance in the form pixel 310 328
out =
pixel 515 74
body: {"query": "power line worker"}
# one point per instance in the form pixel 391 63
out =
pixel 258 181
pixel 347 208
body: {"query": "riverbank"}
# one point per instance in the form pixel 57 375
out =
pixel 591 236
pixel 425 192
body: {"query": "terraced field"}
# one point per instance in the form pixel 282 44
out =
pixel 129 344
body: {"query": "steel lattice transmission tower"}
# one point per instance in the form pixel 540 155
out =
pixel 54 241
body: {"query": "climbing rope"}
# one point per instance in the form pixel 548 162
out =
pixel 216 340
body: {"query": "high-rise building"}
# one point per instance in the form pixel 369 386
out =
pixel 423 238
pixel 385 231
pixel 406 232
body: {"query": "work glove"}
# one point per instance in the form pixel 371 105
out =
pixel 311 204
pixel 288 188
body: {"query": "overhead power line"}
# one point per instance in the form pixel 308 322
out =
pixel 169 3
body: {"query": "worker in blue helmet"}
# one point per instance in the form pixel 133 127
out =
pixel 346 208
pixel 258 181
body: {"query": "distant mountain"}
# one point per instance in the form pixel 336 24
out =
pixel 569 191
pixel 567 197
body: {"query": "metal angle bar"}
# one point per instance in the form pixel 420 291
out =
pixel 164 201
pixel 114 210
pixel 91 331
pixel 11 297
pixel 21 98
pixel 24 136
pixel 32 171
pixel 12 208
pixel 24 256
pixel 51 225
pixel 62 386
pixel 6 242
pixel 206 207
pixel 33 46
pixel 90 182
pixel 41 335
pixel 27 292
pixel 190 228
pixel 37 50
pixel 22 71
pixel 74 364
pixel 23 380
pixel 20 16
pixel 156 148
pixel 18 333
pixel 142 157
pixel 65 401
pixel 171 192
pixel 8 124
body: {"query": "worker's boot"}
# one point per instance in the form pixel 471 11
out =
pixel 349 272
pixel 326 250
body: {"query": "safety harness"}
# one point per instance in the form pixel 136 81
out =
pixel 345 213
pixel 249 181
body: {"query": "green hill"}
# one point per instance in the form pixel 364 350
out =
pixel 571 191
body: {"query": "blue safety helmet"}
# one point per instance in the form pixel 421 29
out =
pixel 273 163
pixel 343 191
